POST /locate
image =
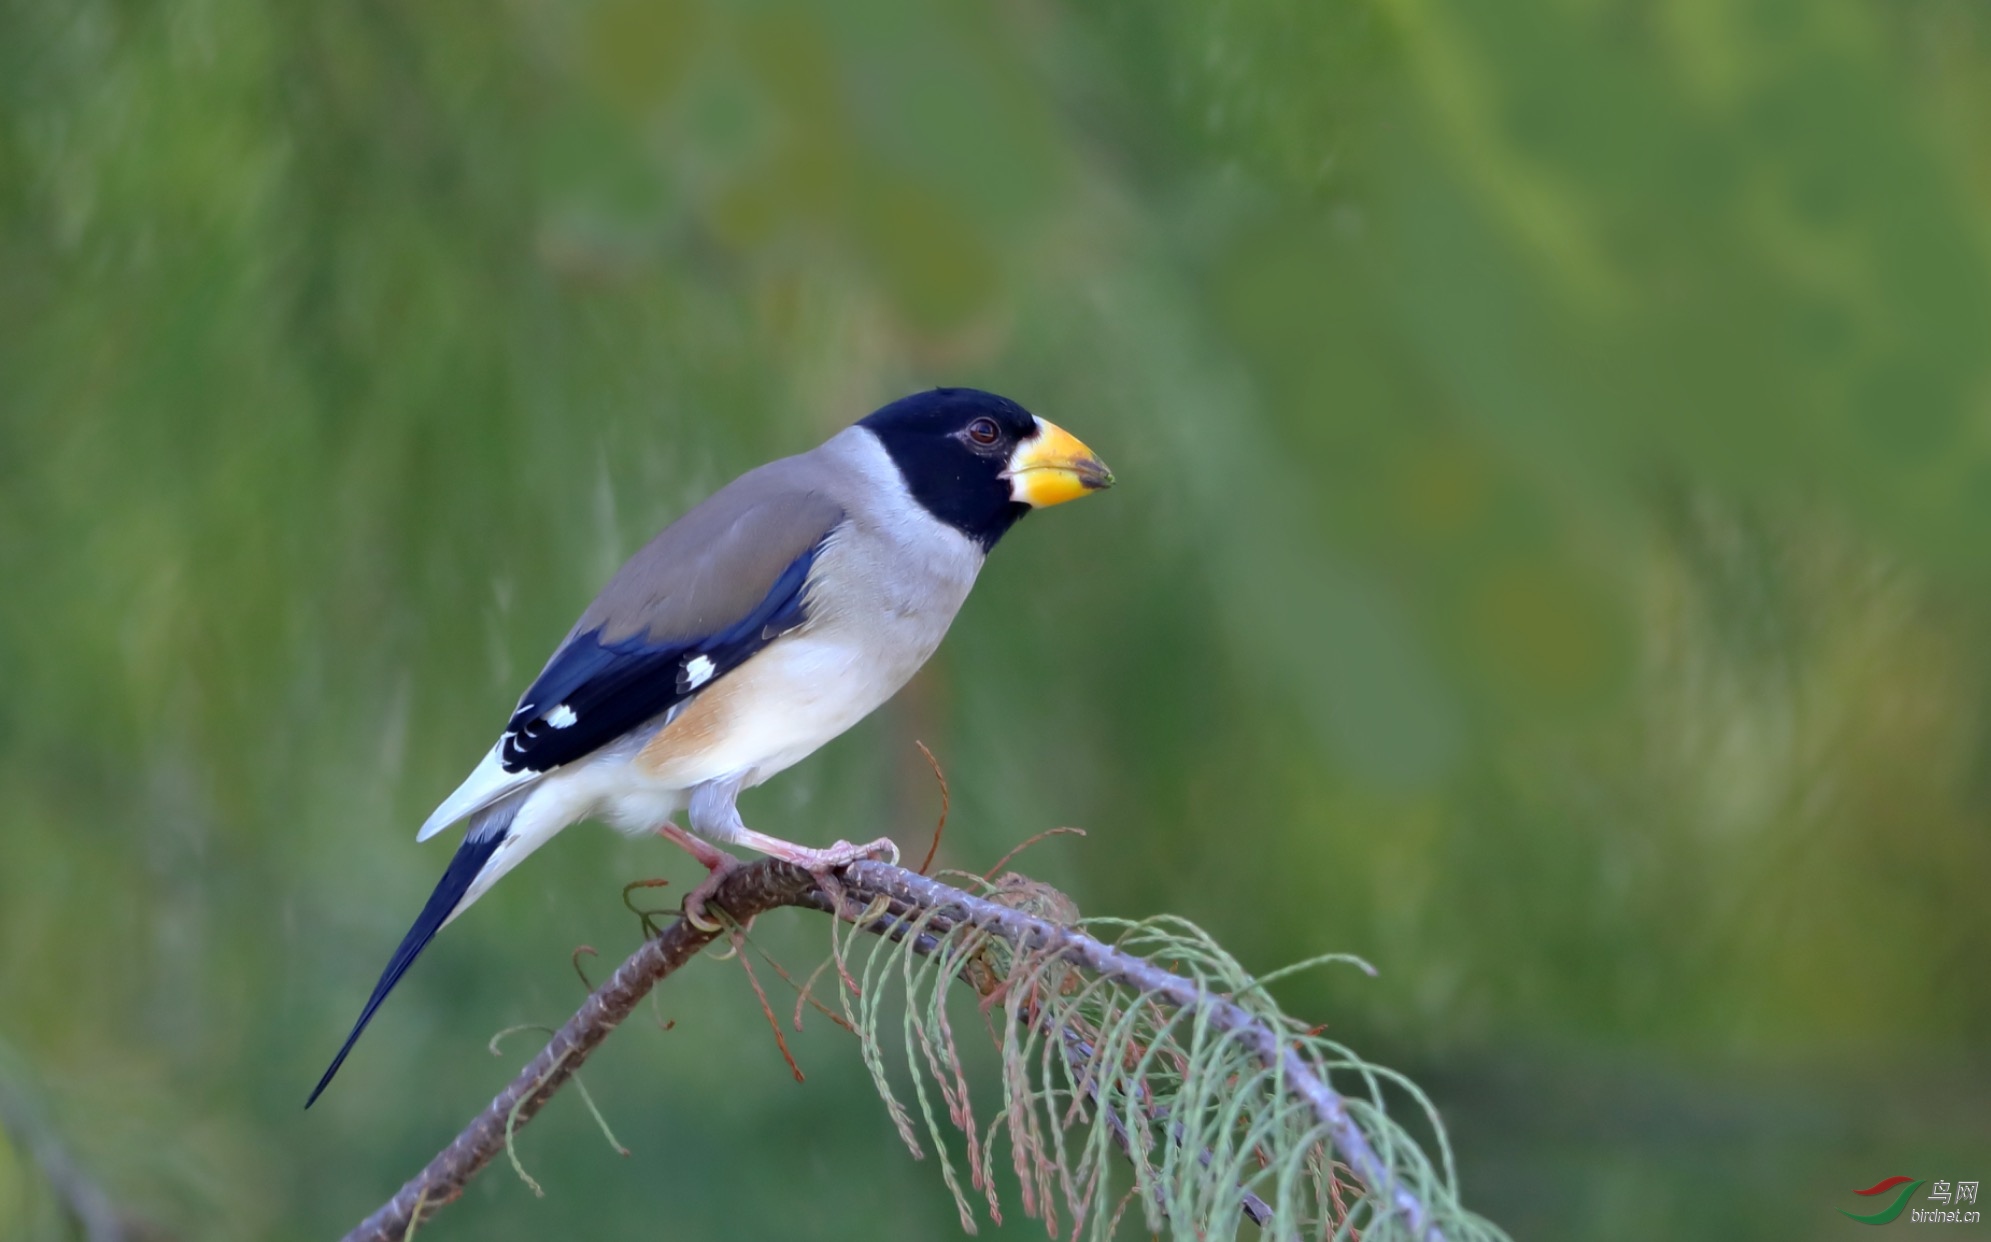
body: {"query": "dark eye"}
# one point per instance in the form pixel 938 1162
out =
pixel 984 431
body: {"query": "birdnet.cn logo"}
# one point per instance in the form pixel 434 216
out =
pixel 1955 1202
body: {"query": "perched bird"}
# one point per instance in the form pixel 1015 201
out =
pixel 761 624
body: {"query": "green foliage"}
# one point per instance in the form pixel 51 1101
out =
pixel 1102 1077
pixel 1547 559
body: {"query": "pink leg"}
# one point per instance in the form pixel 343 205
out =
pixel 842 854
pixel 819 863
pixel 709 856
pixel 716 817
pixel 718 865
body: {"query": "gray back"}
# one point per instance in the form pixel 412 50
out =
pixel 710 568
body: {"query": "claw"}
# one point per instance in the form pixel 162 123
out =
pixel 694 901
pixel 697 918
pixel 718 865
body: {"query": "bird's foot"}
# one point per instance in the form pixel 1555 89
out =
pixel 842 854
pixel 694 901
pixel 823 864
pixel 718 865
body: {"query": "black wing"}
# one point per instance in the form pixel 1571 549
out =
pixel 596 690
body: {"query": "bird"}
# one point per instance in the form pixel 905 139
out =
pixel 761 624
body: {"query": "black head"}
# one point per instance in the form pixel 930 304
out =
pixel 978 462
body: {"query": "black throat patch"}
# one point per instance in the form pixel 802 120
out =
pixel 951 475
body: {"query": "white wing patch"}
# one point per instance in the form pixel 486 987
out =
pixel 697 671
pixel 562 717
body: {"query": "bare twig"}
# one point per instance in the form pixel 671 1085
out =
pixel 590 951
pixel 1026 843
pixel 946 800
pixel 894 903
pixel 760 994
pixel 753 889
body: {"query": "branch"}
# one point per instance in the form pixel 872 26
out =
pixel 929 910
pixel 753 889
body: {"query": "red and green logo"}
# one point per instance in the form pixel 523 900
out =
pixel 1908 1186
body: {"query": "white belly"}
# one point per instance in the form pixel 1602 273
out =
pixel 765 717
pixel 788 701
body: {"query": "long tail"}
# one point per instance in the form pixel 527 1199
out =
pixel 458 887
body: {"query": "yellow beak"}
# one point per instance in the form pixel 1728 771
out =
pixel 1052 467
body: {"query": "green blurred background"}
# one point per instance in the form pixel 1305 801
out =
pixel 1550 561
